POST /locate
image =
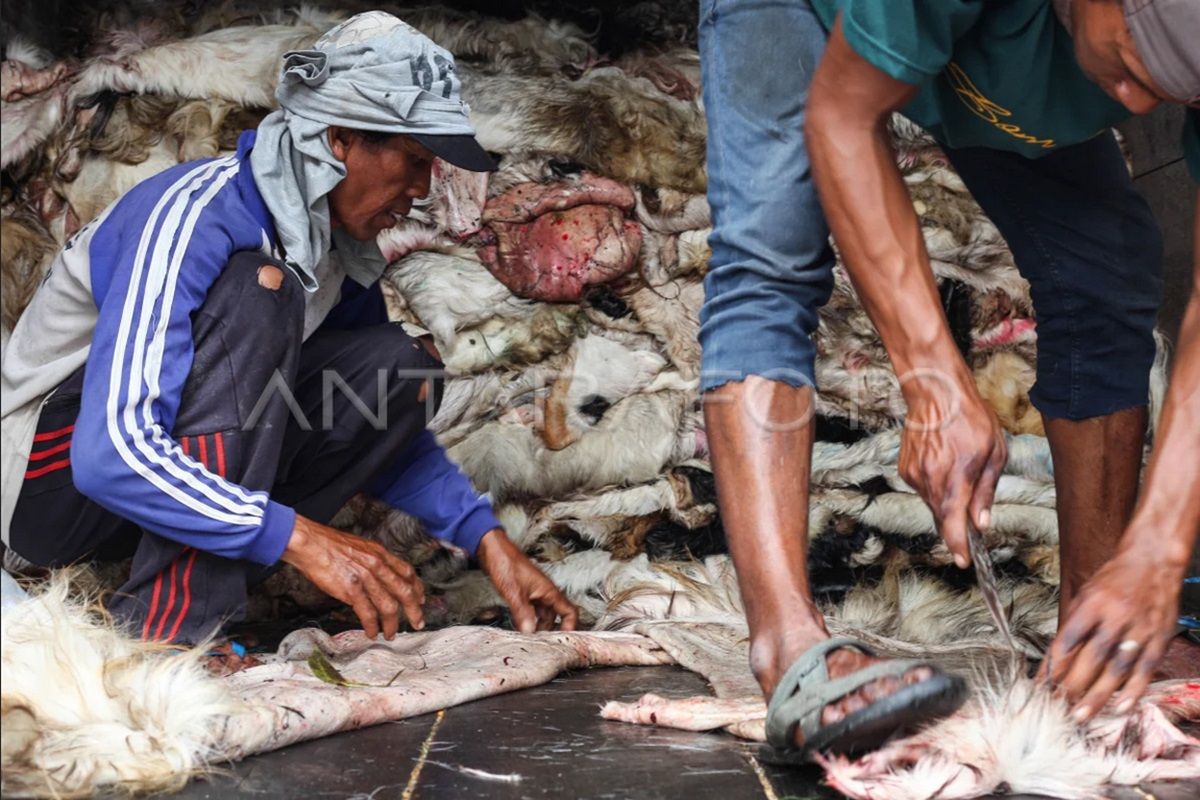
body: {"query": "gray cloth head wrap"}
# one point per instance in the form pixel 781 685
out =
pixel 1167 36
pixel 372 72
pixel 1166 33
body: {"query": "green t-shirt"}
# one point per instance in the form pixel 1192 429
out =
pixel 992 73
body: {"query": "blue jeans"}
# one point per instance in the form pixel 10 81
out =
pixel 771 266
pixel 1079 231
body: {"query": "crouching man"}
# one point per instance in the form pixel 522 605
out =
pixel 196 372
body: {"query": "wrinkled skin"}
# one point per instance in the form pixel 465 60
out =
pixel 382 180
pixel 553 240
pixel 361 573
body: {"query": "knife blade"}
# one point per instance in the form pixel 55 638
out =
pixel 986 576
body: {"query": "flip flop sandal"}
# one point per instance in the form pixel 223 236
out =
pixel 806 689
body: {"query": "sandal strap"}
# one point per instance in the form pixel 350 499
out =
pixel 807 706
pixel 806 689
pixel 811 664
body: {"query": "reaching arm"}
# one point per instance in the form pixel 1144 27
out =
pixel 1121 622
pixel 953 450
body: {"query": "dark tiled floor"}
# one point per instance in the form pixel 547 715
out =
pixel 551 737
pixel 549 741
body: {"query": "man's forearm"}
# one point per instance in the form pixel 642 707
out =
pixel 1168 516
pixel 871 214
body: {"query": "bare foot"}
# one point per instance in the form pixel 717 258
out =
pixel 839 663
pixel 222 661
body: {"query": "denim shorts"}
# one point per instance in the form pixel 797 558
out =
pixel 1080 233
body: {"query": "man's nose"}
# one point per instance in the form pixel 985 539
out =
pixel 420 187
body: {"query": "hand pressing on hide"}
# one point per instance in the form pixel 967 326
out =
pixel 1117 631
pixel 952 453
pixel 361 573
pixel 535 602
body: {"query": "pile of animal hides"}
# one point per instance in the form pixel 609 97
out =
pixel 563 293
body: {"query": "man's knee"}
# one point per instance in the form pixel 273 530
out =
pixel 1098 361
pixel 258 285
pixel 270 277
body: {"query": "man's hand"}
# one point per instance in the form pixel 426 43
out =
pixel 360 573
pixel 952 453
pixel 535 602
pixel 1118 629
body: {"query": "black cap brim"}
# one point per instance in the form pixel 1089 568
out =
pixel 461 150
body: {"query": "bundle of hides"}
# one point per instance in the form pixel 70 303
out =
pixel 563 293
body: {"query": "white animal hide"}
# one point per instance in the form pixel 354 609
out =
pixel 86 706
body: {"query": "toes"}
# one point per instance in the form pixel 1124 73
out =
pixel 855 702
pixel 831 714
pixel 877 690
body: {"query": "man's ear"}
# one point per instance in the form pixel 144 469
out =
pixel 340 141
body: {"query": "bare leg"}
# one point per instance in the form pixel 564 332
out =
pixel 1096 466
pixel 760 435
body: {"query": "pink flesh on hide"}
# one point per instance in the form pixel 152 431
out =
pixel 552 240
pixel 18 80
pixel 1007 332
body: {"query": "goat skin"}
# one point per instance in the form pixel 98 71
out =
pixel 553 240
pixel 1012 732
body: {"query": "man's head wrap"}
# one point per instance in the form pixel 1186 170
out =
pixel 372 72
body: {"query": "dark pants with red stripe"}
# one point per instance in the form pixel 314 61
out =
pixel 314 460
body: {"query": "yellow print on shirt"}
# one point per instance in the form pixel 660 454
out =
pixel 984 108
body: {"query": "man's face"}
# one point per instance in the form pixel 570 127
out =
pixel 382 180
pixel 1105 50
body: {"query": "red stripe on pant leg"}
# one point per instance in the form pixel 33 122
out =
pixel 53 466
pixel 162 623
pixel 220 454
pixel 203 451
pixel 153 606
pixel 187 595
pixel 187 450
pixel 48 435
pixel 42 455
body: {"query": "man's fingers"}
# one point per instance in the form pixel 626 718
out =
pixel 522 612
pixel 952 523
pixel 1079 626
pixel 984 493
pixel 1114 674
pixel 567 613
pixel 1090 662
pixel 387 605
pixel 403 584
pixel 545 617
pixel 1139 677
pixel 365 611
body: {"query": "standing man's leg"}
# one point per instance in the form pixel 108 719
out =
pixel 1088 245
pixel 771 268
